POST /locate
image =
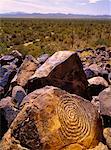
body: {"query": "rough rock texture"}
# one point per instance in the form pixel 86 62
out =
pixel 89 73
pixel 100 146
pixel 5 59
pixel 6 75
pixel 98 81
pixel 51 118
pixel 105 101
pixel 96 103
pixel 64 70
pixel 109 77
pixel 26 70
pixel 107 136
pixel 41 59
pixel 1 92
pixel 18 93
pixel 95 68
pixel 8 107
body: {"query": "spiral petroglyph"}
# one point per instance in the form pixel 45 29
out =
pixel 74 120
pixel 53 119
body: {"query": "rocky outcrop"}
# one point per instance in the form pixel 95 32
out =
pixel 64 70
pixel 52 118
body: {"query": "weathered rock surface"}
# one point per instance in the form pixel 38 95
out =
pixel 105 101
pixel 96 103
pixel 107 136
pixel 7 73
pixel 98 81
pixel 51 118
pixel 8 108
pixel 26 70
pixel 18 93
pixel 64 70
pixel 41 59
pixel 89 73
pixel 109 77
pixel 5 59
pixel 100 146
pixel 95 68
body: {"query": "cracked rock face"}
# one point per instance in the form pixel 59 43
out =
pixel 52 118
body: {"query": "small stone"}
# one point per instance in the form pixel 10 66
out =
pixel 107 136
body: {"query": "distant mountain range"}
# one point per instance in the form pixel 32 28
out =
pixel 51 15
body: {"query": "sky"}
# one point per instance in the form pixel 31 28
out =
pixel 90 7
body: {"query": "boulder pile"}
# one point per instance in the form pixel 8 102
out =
pixel 61 102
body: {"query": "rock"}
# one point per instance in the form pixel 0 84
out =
pixel 7 106
pixel 106 121
pixel 104 74
pixel 1 92
pixel 94 90
pixel 18 93
pixel 5 59
pixel 3 70
pixel 26 70
pixel 18 57
pixel 107 136
pixel 7 76
pixel 64 70
pixel 89 73
pixel 96 103
pixel 100 146
pixel 109 78
pixel 3 124
pixel 98 81
pixel 9 143
pixel 105 101
pixel 16 54
pixel 95 68
pixel 42 58
pixel 51 118
pixel 108 67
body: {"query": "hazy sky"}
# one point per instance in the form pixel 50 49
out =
pixel 95 7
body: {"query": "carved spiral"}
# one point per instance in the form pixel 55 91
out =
pixel 73 119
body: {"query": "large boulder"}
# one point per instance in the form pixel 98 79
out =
pixel 51 118
pixel 26 70
pixel 64 70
